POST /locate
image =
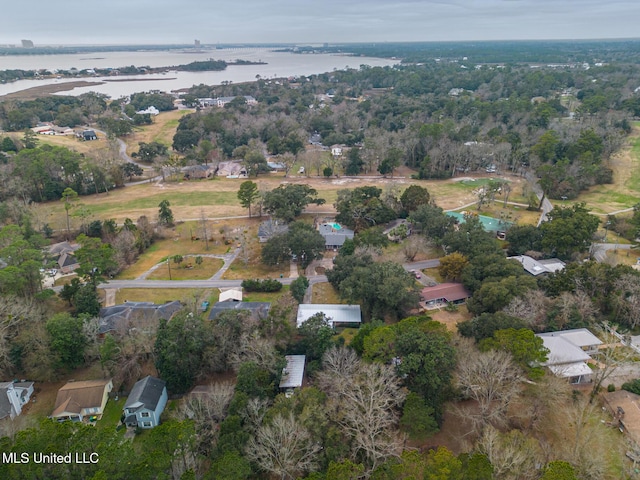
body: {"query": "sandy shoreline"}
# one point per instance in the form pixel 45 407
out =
pixel 44 90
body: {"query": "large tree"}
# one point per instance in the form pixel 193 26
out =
pixel 288 201
pixel 248 193
pixel 569 231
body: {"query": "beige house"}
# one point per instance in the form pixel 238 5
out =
pixel 85 400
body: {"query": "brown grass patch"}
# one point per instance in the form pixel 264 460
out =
pixel 451 319
pixel 623 257
pixel 325 293
pixel 163 295
pixel 162 130
pixel 187 270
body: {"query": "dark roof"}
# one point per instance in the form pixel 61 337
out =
pixel 62 247
pixel 110 317
pixel 146 393
pixel 451 292
pixel 260 309
pixel 334 236
pixel 67 260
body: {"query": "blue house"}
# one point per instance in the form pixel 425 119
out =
pixel 146 403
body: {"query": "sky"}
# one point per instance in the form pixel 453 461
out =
pixel 59 22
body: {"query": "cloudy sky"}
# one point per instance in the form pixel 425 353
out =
pixel 308 21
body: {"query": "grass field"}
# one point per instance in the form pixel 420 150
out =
pixel 205 270
pixel 324 293
pixel 163 295
pixel 162 130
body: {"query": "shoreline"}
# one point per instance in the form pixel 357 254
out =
pixel 44 90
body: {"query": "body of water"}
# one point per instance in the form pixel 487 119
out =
pixel 278 64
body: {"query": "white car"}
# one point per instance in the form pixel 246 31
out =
pixel 301 170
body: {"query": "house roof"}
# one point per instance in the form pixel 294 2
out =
pixel 334 236
pixel 567 370
pixel 450 292
pixel 535 267
pixel 146 393
pixel 74 396
pixel 562 351
pixel 334 312
pixel 293 373
pixel 5 404
pixel 62 247
pixel 67 260
pixel 260 309
pixel 110 317
pixel 233 294
pixel 580 337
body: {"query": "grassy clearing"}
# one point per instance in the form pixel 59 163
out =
pixel 163 295
pixel 346 334
pixel 264 296
pixel 162 130
pixel 512 213
pixel 625 189
pixel 623 257
pixel 324 293
pixel 72 143
pixel 451 319
pixel 111 416
pixel 187 270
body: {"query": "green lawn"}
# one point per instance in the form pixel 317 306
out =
pixel 112 413
pixel 265 297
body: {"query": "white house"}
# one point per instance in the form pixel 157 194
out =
pixel 233 294
pixel 338 315
pixel 292 374
pixel 569 352
pixel 13 395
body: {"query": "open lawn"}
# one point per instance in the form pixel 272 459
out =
pixel 451 319
pixel 188 269
pixel 265 296
pixel 324 293
pixel 624 192
pixel 112 414
pixel 623 257
pixel 93 148
pixel 163 295
pixel 162 130
pixel 180 244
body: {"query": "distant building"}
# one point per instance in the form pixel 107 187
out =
pixel 27 44
pixel 149 111
pixel 89 135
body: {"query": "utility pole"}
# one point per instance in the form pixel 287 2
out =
pixel 169 265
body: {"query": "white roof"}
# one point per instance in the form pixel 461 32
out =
pixel 230 294
pixel 294 371
pixel 535 267
pixel 562 351
pixel 571 369
pixel 336 313
pixel 580 337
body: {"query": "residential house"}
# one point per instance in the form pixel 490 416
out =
pixel 334 234
pixel 539 267
pixel 444 293
pixel 222 101
pixel 270 228
pixel 79 401
pixel 292 374
pixel 231 169
pixel 89 135
pixel 258 310
pixel 13 395
pixel 149 111
pixel 338 315
pixel 58 249
pixel 67 263
pixel 569 353
pixel 135 315
pixel 192 172
pixel 146 403
pixel 276 166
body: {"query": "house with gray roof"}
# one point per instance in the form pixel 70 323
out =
pixel 569 353
pixel 13 395
pixel 146 403
pixel 292 374
pixel 539 267
pixel 117 317
pixel 334 234
pixel 270 228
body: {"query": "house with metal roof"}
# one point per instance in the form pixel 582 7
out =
pixel 270 228
pixel 338 315
pixel 146 403
pixel 293 373
pixel 569 353
pixel 258 309
pixel 233 294
pixel 539 267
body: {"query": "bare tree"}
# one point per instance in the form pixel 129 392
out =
pixel 512 455
pixel 254 348
pixel 284 448
pixel 205 231
pixel 412 246
pixel 491 379
pixel 365 399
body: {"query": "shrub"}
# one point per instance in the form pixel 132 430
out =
pixel 267 285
